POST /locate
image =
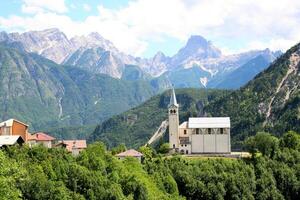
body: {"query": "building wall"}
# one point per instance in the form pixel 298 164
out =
pixel 197 143
pixel 19 129
pixel 210 143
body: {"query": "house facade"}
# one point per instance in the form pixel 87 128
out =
pixel 198 135
pixel 41 138
pixel 73 146
pixel 14 127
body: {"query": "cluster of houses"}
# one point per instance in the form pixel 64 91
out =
pixel 14 132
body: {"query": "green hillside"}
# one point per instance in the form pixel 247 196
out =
pixel 137 125
pixel 47 95
pixel 271 101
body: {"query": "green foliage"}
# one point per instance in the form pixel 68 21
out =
pixel 262 142
pixel 118 149
pixel 40 173
pixel 164 148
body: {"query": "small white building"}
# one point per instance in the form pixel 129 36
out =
pixel 198 135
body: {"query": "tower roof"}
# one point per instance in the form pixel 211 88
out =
pixel 173 101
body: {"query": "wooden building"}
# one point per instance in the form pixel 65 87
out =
pixel 14 127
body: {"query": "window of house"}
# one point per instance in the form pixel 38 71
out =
pixel 209 131
pixel 197 131
pixel 222 131
pixel 184 132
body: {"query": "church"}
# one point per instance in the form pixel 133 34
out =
pixel 198 135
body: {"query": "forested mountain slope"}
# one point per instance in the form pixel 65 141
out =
pixel 271 101
pixel 44 94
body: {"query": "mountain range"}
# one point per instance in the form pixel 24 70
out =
pixel 49 80
pixel 269 102
pixel 199 62
pixel 45 94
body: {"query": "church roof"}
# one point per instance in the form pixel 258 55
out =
pixel 183 125
pixel 173 101
pixel 209 122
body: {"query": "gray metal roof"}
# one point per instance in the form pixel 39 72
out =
pixel 173 101
pixel 209 122
pixel 9 139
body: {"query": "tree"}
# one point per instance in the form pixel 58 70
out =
pixel 290 140
pixel 164 148
pixel 262 142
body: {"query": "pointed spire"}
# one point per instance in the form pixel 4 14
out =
pixel 173 101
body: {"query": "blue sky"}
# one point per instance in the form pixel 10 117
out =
pixel 143 27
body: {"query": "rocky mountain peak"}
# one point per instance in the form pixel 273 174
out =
pixel 197 47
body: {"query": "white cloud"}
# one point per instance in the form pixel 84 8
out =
pixel 86 7
pixel 255 23
pixel 37 6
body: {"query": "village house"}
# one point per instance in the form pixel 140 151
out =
pixel 14 127
pixel 73 146
pixel 198 135
pixel 41 138
pixel 130 153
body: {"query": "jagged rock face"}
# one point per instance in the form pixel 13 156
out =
pixel 197 48
pixel 51 43
pixel 84 51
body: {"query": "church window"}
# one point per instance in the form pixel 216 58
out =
pixel 185 145
pixel 197 131
pixel 184 132
pixel 209 131
pixel 174 111
pixel 187 151
pixel 222 131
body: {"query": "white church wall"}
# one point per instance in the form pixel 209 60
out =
pixel 222 143
pixel 209 143
pixel 197 144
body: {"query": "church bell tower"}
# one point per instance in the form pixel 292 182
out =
pixel 173 122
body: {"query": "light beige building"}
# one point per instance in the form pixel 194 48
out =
pixel 130 153
pixel 73 146
pixel 198 135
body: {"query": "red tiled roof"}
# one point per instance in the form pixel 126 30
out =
pixel 77 144
pixel 42 137
pixel 130 152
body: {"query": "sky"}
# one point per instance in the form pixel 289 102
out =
pixel 143 27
